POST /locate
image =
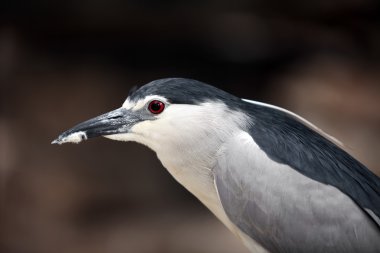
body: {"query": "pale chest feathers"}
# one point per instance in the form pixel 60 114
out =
pixel 199 180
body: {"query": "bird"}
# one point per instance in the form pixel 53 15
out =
pixel 278 182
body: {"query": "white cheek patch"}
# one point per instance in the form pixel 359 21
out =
pixel 72 138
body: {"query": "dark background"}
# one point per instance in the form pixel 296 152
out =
pixel 62 62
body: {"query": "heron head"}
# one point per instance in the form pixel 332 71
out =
pixel 173 112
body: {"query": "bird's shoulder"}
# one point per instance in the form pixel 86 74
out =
pixel 289 139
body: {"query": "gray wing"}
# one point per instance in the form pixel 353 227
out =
pixel 287 139
pixel 285 211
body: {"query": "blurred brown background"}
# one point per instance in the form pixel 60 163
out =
pixel 62 62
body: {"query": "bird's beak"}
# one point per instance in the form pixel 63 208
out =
pixel 114 122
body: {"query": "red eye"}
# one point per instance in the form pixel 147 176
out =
pixel 156 107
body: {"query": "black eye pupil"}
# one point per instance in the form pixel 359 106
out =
pixel 156 106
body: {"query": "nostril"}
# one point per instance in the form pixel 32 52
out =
pixel 116 117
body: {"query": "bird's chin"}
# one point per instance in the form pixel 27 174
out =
pixel 120 137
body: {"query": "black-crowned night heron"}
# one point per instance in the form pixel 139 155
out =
pixel 275 180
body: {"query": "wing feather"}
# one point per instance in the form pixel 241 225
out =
pixel 289 139
pixel 282 209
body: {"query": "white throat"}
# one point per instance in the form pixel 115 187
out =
pixel 186 139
